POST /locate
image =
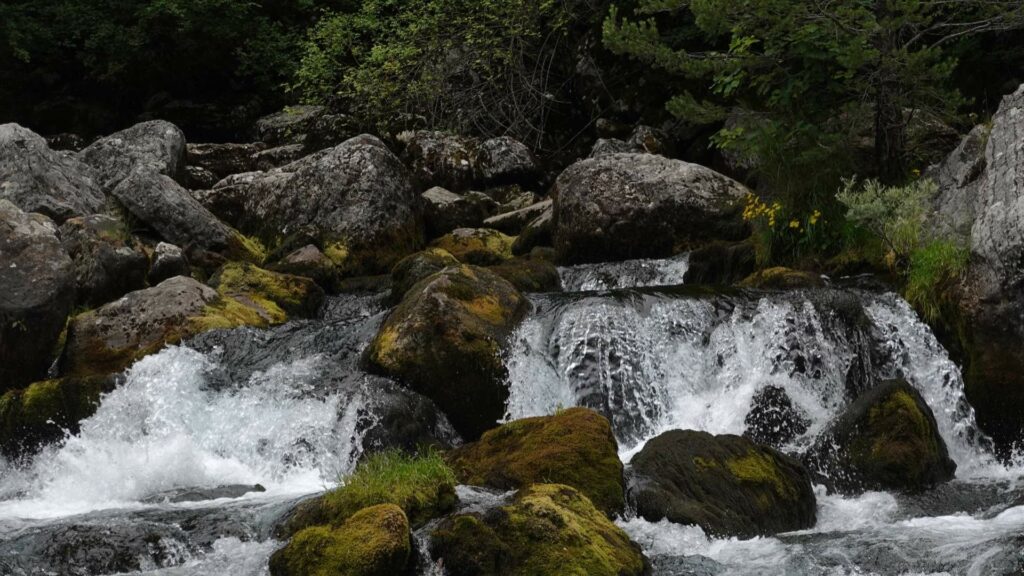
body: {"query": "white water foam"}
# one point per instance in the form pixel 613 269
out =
pixel 164 429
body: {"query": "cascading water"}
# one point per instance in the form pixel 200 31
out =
pixel 658 359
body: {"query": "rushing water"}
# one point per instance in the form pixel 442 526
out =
pixel 289 410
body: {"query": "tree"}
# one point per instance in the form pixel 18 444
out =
pixel 810 73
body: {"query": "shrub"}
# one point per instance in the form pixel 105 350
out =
pixel 933 268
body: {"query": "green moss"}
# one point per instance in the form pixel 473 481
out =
pixel 227 313
pixel 423 486
pixel 760 468
pixel 44 410
pixel 548 529
pixel 575 447
pixel 337 252
pixel 481 247
pixel 245 248
pixel 273 291
pixel 900 437
pixel 374 541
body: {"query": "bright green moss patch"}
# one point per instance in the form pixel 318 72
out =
pixel 374 541
pixel 423 486
pixel 42 412
pixel 294 295
pixel 574 447
pixel 759 467
pixel 481 247
pixel 246 249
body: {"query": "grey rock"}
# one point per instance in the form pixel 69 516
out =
pixel 155 146
pixel 647 139
pixel 66 141
pixel 445 211
pixel 37 179
pixel 505 160
pixel 171 211
pixel 37 291
pixel 441 159
pixel 223 160
pixel 312 127
pixel 539 232
pixel 277 156
pixel 168 261
pixel 625 206
pixel 959 178
pixel 107 265
pixel 197 178
pixel 514 222
pixel 606 146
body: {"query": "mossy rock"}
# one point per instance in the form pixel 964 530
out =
pixel 547 529
pixel 886 440
pixel 310 262
pixel 110 338
pixel 725 484
pixel 575 447
pixel 293 295
pixel 479 246
pixel 416 267
pixel 445 341
pixel 42 412
pixel 373 542
pixel 530 275
pixel 422 486
pixel 781 278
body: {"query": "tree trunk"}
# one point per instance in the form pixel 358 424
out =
pixel 890 135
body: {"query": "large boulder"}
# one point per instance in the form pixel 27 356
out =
pixel 374 542
pixel 356 201
pixel 505 160
pixel 625 206
pixel 461 162
pixel 108 264
pixel 574 447
pixel 981 204
pixel 110 338
pixel 37 179
pixel 155 146
pixel 546 529
pixel 445 341
pixel 886 440
pixel 415 267
pixel 445 211
pixel 726 484
pixel 307 128
pixel 37 291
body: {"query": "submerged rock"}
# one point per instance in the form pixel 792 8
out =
pixel 479 246
pixel 886 440
pixel 374 542
pixel 625 206
pixel 38 179
pixel 445 341
pixel 574 447
pixel 37 292
pixel 155 147
pixel 546 529
pixel 107 263
pixel 725 484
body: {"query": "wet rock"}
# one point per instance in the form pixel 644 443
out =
pixel 45 411
pixel 539 232
pixel 886 440
pixel 529 274
pixel 721 263
pixel 168 261
pixel 413 268
pixel 574 447
pixel 200 494
pixel 295 296
pixel 624 206
pixel 445 340
pixel 514 222
pixel 107 264
pixel 37 179
pixel 223 160
pixel 781 278
pixel 374 542
pixel 445 211
pixel 725 484
pixel 546 529
pixel 155 147
pixel 479 246
pixel 37 284
pixel 110 338
pixel 773 420
pixel 355 200
pixel 504 160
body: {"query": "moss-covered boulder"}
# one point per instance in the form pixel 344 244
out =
pixel 530 274
pixel 886 440
pixel 479 246
pixel 292 295
pixel 445 341
pixel 782 278
pixel 416 267
pixel 574 447
pixel 725 484
pixel 42 412
pixel 310 262
pixel 547 529
pixel 110 338
pixel 374 541
pixel 108 264
pixel 422 486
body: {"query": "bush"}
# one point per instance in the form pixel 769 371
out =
pixel 474 66
pixel 933 269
